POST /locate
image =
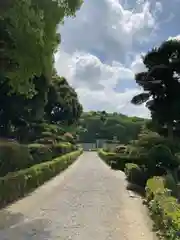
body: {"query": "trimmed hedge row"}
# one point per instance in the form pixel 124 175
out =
pixel 15 156
pixel 165 209
pixel 118 161
pixel 41 153
pixel 18 184
pixel 106 156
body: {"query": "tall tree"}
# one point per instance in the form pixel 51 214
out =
pixel 17 110
pixel 29 39
pixel 161 84
pixel 62 104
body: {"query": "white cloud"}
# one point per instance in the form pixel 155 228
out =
pixel 86 70
pixel 158 7
pixel 106 27
pixel 94 83
pixel 111 101
pixel 137 65
pixel 175 38
pixel 95 51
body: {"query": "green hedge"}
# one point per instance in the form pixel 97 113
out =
pixel 106 156
pixel 40 153
pixel 136 174
pixel 16 185
pixel 118 161
pixel 44 152
pixel 164 208
pixel 165 212
pixel 13 156
pixel 154 185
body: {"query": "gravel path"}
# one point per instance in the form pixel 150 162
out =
pixel 89 201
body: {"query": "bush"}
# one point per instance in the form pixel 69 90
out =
pixel 40 153
pixel 106 156
pixel 46 127
pixel 59 138
pixel 62 148
pixel 160 156
pixel 136 174
pixel 17 184
pixel 118 161
pixel 37 131
pixel 166 214
pixel 45 140
pixel 13 156
pixel 120 149
pixel 121 160
pixel 48 134
pixel 171 182
pixel 147 141
pixel 44 152
pixel 154 185
pixel 68 137
pixel 164 208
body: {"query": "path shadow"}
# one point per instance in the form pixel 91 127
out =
pixel 15 226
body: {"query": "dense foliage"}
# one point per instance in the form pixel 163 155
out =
pixel 36 105
pixel 29 39
pixel 108 126
pixel 30 89
pixel 161 86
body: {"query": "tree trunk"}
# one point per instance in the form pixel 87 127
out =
pixel 170 131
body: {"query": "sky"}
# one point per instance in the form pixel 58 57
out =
pixel 101 49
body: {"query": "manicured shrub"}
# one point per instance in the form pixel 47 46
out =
pixel 62 148
pixel 40 152
pixel 17 184
pixel 68 137
pixel 45 140
pixel 120 149
pixel 59 138
pixel 171 182
pixel 136 174
pixel 160 156
pixel 47 134
pixel 13 156
pixel 154 185
pixel 165 212
pixel 106 156
pixel 149 140
pixel 118 161
pixel 45 152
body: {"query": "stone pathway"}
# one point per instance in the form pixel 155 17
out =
pixel 88 201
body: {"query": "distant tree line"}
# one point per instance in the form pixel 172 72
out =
pixel 108 126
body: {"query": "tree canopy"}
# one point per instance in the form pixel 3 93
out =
pixel 30 90
pixel 29 39
pixel 161 84
pixel 62 105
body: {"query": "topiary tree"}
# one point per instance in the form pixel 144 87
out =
pixel 161 85
pixel 160 159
